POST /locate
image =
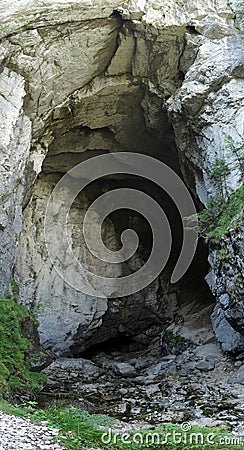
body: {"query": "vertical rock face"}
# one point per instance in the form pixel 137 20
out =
pixel 15 136
pixel 79 79
pixel 60 308
pixel 228 285
pixel 209 105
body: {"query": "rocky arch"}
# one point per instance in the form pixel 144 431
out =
pixel 101 79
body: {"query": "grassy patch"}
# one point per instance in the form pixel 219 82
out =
pixel 80 430
pixel 15 350
pixel 215 221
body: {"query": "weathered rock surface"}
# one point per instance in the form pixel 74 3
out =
pixel 80 79
pixel 15 136
pixel 201 384
pixel 230 339
pixel 239 375
pixel 228 269
pixel 125 369
pixel 75 368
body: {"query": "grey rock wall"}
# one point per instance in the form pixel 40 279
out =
pixel 161 78
pixel 15 136
pixel 228 286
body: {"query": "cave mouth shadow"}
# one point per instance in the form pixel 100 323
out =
pixel 116 346
pixel 147 131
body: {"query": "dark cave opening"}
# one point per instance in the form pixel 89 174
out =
pixel 76 141
pixel 191 290
pixel 118 345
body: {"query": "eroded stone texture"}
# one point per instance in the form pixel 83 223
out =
pixel 228 285
pixel 207 108
pixel 83 78
pixel 59 308
pixel 15 135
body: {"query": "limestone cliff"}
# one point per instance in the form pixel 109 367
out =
pixel 81 78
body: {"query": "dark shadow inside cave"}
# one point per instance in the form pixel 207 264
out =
pixel 191 293
pixel 119 344
pixel 75 140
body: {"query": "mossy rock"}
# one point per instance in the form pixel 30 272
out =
pixel 18 343
pixel 177 344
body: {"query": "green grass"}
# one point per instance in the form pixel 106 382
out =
pixel 15 350
pixel 80 430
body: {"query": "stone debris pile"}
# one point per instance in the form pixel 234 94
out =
pixel 20 434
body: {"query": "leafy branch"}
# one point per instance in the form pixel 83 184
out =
pixel 223 208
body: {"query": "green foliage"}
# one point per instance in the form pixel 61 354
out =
pixel 81 430
pixel 223 209
pixel 15 350
pixel 223 255
pixel 176 343
pixel 14 293
pixel 82 425
pixel 15 290
pixel 215 221
pixel 240 14
pixel 237 149
pixel 219 173
pixel 39 309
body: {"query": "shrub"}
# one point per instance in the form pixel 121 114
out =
pixel 15 350
pixel 225 207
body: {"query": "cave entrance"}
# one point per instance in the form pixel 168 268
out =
pixel 115 346
pixel 110 115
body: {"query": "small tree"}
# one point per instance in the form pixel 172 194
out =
pixel 219 173
pixel 222 207
pixel 237 149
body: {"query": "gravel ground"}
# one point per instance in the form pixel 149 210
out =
pixel 20 434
